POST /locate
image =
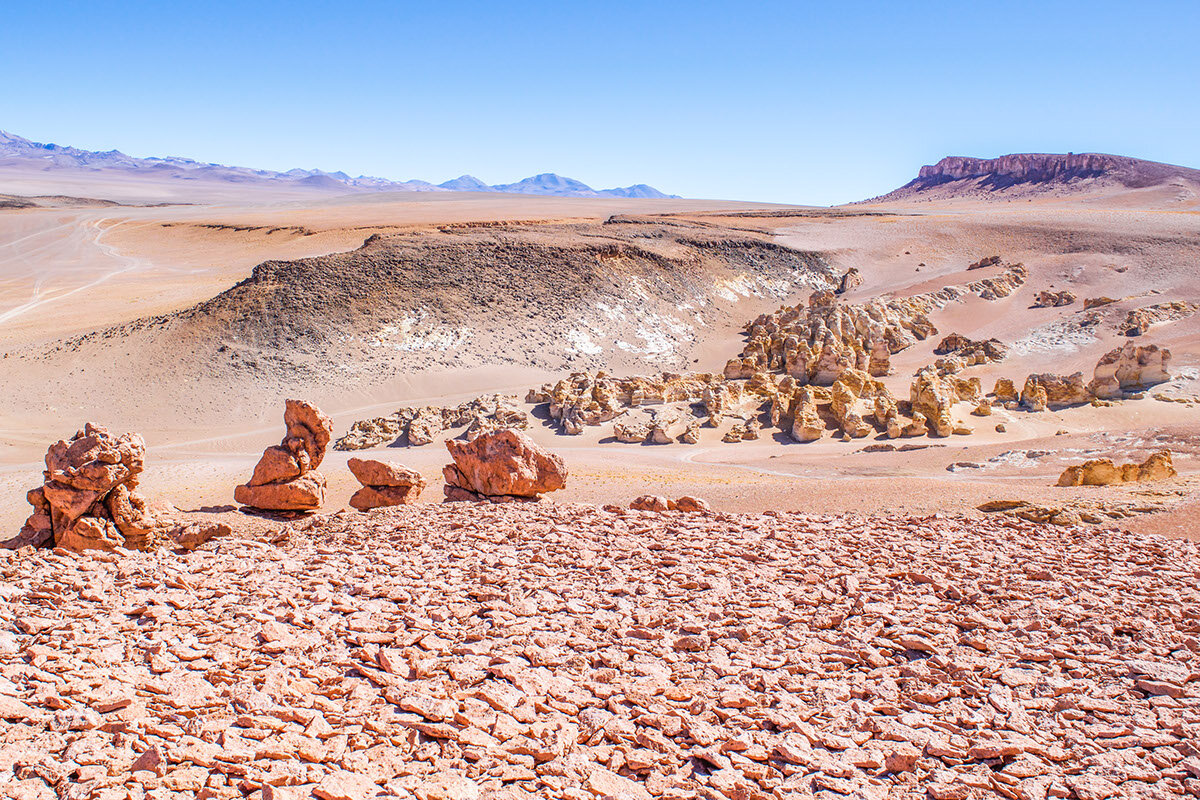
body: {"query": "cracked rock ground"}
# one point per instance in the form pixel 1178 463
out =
pixel 572 652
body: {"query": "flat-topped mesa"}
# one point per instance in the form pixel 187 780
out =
pixel 816 344
pixel 1026 167
pixel 423 424
pixel 587 398
pixel 285 478
pixel 501 467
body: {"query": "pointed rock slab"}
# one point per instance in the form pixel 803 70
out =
pixel 384 473
pixel 306 423
pixel 277 464
pixel 302 494
pixel 504 463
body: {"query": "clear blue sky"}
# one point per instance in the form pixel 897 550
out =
pixel 781 101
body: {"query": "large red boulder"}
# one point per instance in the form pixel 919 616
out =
pixel 502 465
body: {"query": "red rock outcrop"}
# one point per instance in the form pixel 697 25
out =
pixel 384 484
pixel 88 499
pixel 285 478
pixel 503 466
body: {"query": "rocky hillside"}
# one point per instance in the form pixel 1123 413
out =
pixel 1025 174
pixel 625 296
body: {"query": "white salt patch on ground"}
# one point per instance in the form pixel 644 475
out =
pixel 1059 337
pixel 581 342
pixel 412 334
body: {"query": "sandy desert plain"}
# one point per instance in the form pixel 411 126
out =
pixel 844 622
pixel 206 395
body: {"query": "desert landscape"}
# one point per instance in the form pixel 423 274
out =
pixel 890 499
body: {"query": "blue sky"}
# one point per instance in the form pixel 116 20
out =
pixel 778 101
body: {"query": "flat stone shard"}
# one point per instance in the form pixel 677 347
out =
pixel 503 464
pixel 285 478
pixel 384 484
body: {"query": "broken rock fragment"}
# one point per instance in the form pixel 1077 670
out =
pixel 384 484
pixel 503 466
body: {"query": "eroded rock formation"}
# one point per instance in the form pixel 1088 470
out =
pixel 285 478
pixel 932 397
pixel 384 484
pixel 503 466
pixel 1130 368
pixel 1104 471
pixel 586 398
pixel 423 424
pixel 89 500
pixel 1048 390
pixel 970 351
pixel 1052 299
pixel 852 279
pixel 815 344
pixel 1139 320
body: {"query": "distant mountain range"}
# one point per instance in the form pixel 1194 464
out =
pixel 18 150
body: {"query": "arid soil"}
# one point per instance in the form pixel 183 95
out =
pixel 566 651
pixel 846 623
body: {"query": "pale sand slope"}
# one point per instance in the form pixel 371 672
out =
pixel 1120 252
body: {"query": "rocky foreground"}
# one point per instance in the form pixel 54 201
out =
pixel 572 652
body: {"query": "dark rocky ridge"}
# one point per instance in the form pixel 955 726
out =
pixel 550 297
